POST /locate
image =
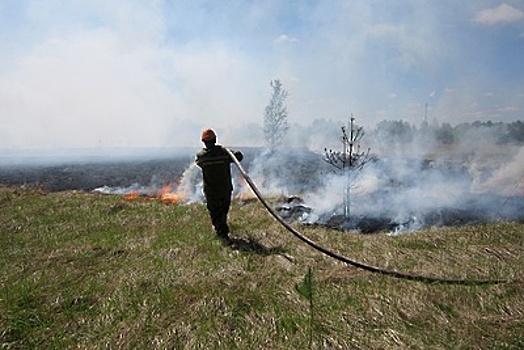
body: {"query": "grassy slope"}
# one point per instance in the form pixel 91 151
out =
pixel 81 270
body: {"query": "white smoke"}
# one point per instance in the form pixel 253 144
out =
pixel 508 180
pixel 402 191
pixel 190 187
pixel 123 190
pixel 407 187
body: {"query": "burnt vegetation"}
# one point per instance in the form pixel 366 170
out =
pixel 396 203
pixel 432 175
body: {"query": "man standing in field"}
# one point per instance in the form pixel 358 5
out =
pixel 218 187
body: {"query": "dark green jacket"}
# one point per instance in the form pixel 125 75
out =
pixel 216 170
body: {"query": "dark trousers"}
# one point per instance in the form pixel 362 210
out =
pixel 218 207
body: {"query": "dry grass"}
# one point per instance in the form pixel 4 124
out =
pixel 89 271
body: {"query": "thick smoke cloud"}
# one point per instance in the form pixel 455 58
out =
pixel 404 185
pixel 507 180
pixel 153 74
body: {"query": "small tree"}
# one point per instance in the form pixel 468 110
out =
pixel 275 117
pixel 305 289
pixel 350 159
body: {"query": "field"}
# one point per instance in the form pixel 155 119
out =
pixel 68 174
pixel 90 271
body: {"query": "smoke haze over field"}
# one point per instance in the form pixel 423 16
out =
pixel 113 77
pixel 102 74
pixel 398 193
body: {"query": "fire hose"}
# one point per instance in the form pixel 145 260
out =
pixel 361 265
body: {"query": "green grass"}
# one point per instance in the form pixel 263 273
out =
pixel 88 271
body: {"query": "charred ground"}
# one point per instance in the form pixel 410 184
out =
pixel 396 204
pixel 88 176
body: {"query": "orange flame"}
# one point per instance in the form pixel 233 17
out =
pixel 132 196
pixel 244 192
pixel 166 195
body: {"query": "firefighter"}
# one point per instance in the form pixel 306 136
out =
pixel 216 172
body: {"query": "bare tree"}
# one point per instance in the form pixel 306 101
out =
pixel 275 117
pixel 350 159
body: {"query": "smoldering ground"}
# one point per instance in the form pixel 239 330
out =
pixel 392 192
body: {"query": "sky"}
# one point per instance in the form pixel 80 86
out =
pixel 137 73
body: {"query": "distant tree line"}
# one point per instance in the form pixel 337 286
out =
pixel 395 132
pixel 399 131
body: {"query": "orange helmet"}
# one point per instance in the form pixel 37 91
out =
pixel 208 135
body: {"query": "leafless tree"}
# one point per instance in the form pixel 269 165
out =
pixel 350 160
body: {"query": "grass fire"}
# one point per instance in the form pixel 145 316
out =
pixel 97 259
pixel 166 195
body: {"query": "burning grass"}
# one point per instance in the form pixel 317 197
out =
pixel 84 270
pixel 166 195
